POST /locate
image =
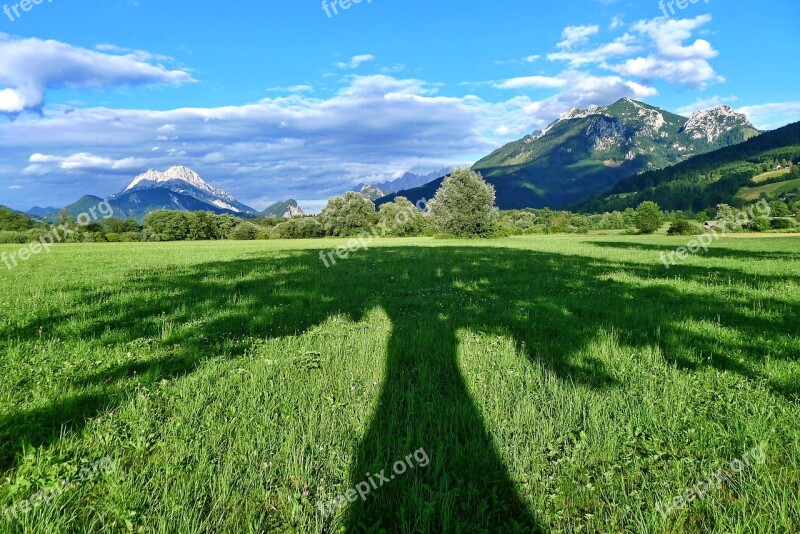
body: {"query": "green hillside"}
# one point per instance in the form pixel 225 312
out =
pixel 710 179
pixel 587 152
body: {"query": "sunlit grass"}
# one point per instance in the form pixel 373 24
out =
pixel 557 383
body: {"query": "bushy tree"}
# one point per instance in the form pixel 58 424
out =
pixel 464 205
pixel 202 226
pixel 401 218
pixel 347 215
pixel 759 224
pixel 245 231
pixel 168 225
pixel 779 209
pixel 796 210
pixel 649 217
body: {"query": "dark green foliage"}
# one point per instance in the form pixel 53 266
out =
pixel 681 227
pixel 297 228
pixel 779 209
pixel 706 180
pixel 168 225
pixel 782 224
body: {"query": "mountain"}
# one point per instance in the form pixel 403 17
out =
pixel 409 180
pixel 177 188
pixel 13 220
pixel 82 205
pixel 282 210
pixel 714 178
pixel 371 193
pixel 587 152
pixel 36 211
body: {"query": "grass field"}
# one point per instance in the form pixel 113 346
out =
pixel 763 177
pixel 771 190
pixel 555 384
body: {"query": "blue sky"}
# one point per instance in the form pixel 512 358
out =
pixel 275 100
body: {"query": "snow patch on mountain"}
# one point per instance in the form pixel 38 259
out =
pixel 180 179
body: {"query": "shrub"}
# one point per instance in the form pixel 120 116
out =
pixel 681 227
pixel 245 231
pixel 782 224
pixel 130 237
pixel 759 224
pixel 401 218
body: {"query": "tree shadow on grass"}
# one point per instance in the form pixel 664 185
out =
pixel 553 307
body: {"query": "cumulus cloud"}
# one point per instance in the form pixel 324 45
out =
pixel 30 67
pixel 671 59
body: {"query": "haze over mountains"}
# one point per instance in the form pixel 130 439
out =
pixel 409 180
pixel 587 152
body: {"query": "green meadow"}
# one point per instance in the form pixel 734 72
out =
pixel 555 384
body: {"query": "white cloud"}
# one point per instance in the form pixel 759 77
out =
pixel 356 61
pixel 30 67
pixel 575 35
pixel 771 116
pixel 531 82
pixel 619 47
pixel 214 157
pixel 672 60
pixel 44 163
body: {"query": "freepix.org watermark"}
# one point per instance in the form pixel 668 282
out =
pixel 13 12
pixel 46 496
pixel 331 7
pixel 363 240
pixel 55 235
pixel 714 234
pixel 373 482
pixel 716 480
pixel 681 4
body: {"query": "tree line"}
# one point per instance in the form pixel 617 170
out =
pixel 464 206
